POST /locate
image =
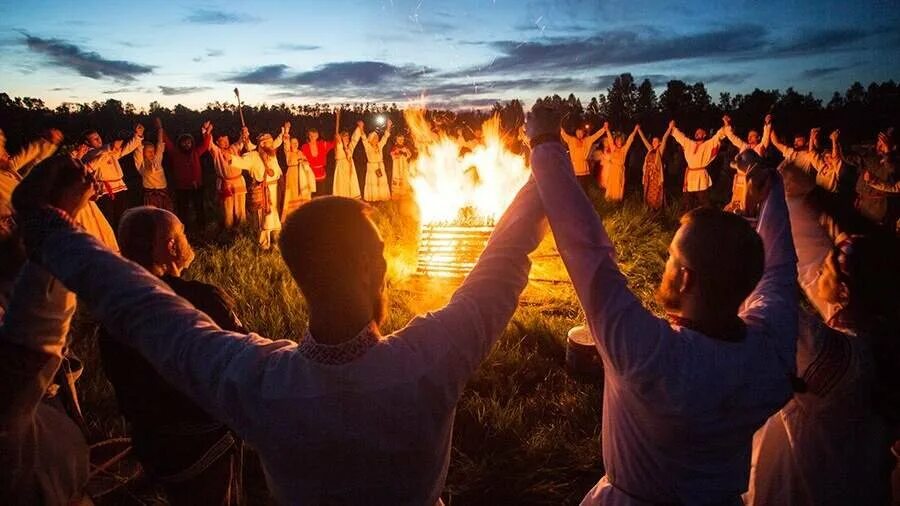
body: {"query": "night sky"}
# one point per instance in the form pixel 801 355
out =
pixel 460 53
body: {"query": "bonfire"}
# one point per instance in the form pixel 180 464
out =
pixel 460 193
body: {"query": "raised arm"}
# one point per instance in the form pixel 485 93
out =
pixel 773 304
pixel 767 133
pixel 35 152
pixel 466 328
pixel 223 372
pixel 773 137
pixel 596 135
pixel 734 139
pixel 137 140
pixel 647 144
pixel 386 136
pixel 665 140
pixel 628 335
pixel 138 156
pixel 680 138
pixel 630 139
pixel 206 136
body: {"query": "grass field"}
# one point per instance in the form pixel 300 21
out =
pixel 525 433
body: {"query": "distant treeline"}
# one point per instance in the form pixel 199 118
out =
pixel 860 112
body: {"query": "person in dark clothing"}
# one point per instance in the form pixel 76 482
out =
pixel 194 457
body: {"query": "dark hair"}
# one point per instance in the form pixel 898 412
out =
pixel 317 239
pixel 726 254
pixel 312 130
pixel 87 133
pixel 138 232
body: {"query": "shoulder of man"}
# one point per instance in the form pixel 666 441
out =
pixel 210 299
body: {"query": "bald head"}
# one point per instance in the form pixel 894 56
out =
pixel 154 238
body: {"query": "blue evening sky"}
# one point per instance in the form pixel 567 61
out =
pixel 463 52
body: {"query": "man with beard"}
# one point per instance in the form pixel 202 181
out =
pixel 185 159
pixel 699 152
pixel 230 184
pixel 262 164
pixel 43 454
pixel 103 161
pixel 682 397
pixel 347 415
pixel 880 183
pixel 194 457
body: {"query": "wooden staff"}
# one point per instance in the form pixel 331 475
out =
pixel 240 107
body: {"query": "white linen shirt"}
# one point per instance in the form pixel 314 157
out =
pixel 375 430
pixel 679 408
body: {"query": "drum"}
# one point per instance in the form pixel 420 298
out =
pixel 582 359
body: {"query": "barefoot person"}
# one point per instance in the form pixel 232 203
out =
pixel 681 398
pixel 347 415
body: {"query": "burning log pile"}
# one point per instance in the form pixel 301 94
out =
pixel 459 195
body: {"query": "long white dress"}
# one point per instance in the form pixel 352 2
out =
pixel 346 184
pixel 377 187
pixel 400 175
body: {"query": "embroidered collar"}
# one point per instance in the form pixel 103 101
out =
pixel 343 353
pixel 732 332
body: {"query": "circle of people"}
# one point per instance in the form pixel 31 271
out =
pixel 741 393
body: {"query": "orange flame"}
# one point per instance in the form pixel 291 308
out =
pixel 449 187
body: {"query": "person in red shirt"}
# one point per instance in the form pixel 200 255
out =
pixel 185 163
pixel 316 152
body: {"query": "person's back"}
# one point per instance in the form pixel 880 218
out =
pixel 351 419
pixel 681 400
pixel 181 446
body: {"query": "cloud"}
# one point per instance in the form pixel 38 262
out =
pixel 297 47
pixel 215 17
pixel 336 74
pixel 817 72
pixel 646 45
pixel 118 91
pixel 214 53
pixel 182 90
pixel 267 74
pixel 87 63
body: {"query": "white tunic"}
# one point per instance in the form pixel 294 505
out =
pixel 698 155
pixel 679 408
pixel 377 187
pixel 346 184
pixel 400 175
pixel 578 150
pixel 257 164
pixel 152 173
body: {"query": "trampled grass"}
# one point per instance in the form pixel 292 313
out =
pixel 525 432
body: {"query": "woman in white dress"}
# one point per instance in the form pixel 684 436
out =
pixel 346 184
pixel 400 155
pixel 377 187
